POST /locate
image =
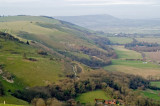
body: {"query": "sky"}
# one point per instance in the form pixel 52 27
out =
pixel 140 9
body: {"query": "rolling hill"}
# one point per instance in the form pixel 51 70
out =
pixel 39 51
pixel 111 24
pixel 47 61
pixel 65 38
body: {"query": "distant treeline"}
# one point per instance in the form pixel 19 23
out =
pixel 143 46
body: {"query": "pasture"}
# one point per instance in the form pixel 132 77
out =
pixel 124 53
pixel 10 101
pixel 32 73
pixel 152 94
pixel 156 83
pixel 11 105
pixel 89 97
pixel 26 73
pixel 120 40
pixel 134 66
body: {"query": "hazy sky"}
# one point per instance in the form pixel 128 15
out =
pixel 119 8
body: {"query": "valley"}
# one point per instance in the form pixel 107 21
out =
pixel 45 60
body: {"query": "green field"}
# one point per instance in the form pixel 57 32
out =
pixel 124 53
pixel 157 84
pixel 89 97
pixel 153 94
pixel 135 67
pixel 11 105
pixel 12 100
pixel 120 40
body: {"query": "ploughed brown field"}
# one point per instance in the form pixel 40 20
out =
pixel 153 56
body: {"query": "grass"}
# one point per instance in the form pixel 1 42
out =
pixel 80 55
pixel 11 105
pixel 27 18
pixel 124 53
pixel 54 38
pixel 156 83
pixel 57 35
pixel 132 66
pixel 90 96
pixel 26 73
pixel 120 40
pixel 12 100
pixel 36 73
pixel 152 94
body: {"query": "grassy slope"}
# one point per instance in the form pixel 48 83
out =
pixel 12 100
pixel 27 73
pixel 57 35
pixel 90 96
pixel 40 72
pixel 53 37
pixel 120 40
pixel 132 67
pixel 124 53
pixel 11 105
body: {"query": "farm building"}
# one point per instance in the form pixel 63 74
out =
pixel 102 102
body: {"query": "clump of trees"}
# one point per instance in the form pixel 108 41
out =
pixel 2 66
pixel 142 46
pixel 41 52
pixel 136 82
pixel 7 36
pixel 1 90
pixel 136 43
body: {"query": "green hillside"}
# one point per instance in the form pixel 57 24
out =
pixel 67 39
pixel 22 65
pixel 39 51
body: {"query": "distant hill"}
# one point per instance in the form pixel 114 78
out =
pixel 108 23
